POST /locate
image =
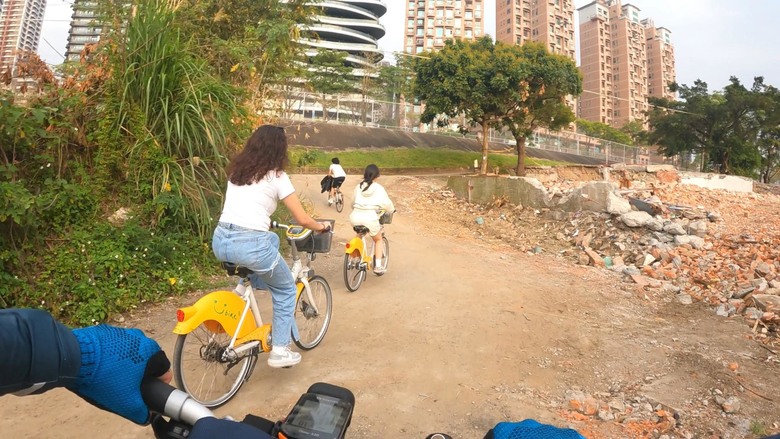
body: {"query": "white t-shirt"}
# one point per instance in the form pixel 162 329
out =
pixel 337 171
pixel 251 205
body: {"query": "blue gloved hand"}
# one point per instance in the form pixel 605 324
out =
pixel 530 429
pixel 113 364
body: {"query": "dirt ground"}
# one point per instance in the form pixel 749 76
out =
pixel 465 331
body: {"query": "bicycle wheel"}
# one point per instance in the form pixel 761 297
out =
pixel 353 274
pixel 312 313
pixel 386 255
pixel 201 370
pixel 339 202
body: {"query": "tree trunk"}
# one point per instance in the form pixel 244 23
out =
pixel 520 145
pixel 484 165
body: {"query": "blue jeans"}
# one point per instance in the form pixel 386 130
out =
pixel 259 251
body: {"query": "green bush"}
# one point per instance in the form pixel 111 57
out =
pixel 100 269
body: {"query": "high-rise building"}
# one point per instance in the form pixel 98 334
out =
pixel 550 22
pixel 350 26
pixel 629 63
pixel 660 61
pixel 83 28
pixel 429 23
pixel 20 30
pixel 595 103
pixel 621 57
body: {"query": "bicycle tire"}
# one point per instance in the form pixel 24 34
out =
pixel 217 374
pixel 386 254
pixel 309 317
pixel 353 274
pixel 339 202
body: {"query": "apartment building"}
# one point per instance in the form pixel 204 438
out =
pixel 596 101
pixel 548 21
pixel 429 23
pixel 660 61
pixel 622 58
pixel 629 63
pixel 20 30
pixel 84 29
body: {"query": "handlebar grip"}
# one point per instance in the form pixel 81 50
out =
pixel 274 224
pixel 173 403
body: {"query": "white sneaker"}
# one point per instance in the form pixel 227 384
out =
pixel 330 201
pixel 283 357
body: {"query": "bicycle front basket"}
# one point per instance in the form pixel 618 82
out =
pixel 386 218
pixel 317 242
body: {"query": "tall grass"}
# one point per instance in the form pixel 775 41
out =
pixel 176 120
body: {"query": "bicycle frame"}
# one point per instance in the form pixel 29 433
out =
pixel 229 312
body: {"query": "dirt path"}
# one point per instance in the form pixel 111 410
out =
pixel 461 334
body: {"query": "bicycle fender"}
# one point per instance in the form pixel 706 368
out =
pixel 219 310
pixel 354 244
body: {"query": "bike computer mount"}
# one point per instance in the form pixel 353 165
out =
pixel 318 416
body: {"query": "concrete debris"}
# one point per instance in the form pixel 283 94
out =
pixel 689 243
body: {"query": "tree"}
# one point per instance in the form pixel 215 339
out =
pixel 471 78
pixel 547 80
pixel 768 142
pixel 722 129
pixel 328 75
pixel 600 130
pixel 688 126
pixel 636 132
pixel 396 81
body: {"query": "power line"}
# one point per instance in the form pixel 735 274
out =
pixel 52 47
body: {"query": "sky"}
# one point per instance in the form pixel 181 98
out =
pixel 713 39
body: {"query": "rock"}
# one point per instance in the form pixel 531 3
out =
pixel 655 224
pixel 698 228
pixel 617 205
pixel 742 292
pixel 763 269
pixel 649 259
pixel 479 220
pixel 693 241
pixel 774 283
pixel 119 217
pixel 674 229
pixel 635 219
pixel 725 310
pixel 714 216
pixel 605 415
pixel 684 299
pixel 753 313
pixel 766 302
pixel 729 405
pixel 595 259
pixel 583 259
pixel 773 291
pixel 664 237
pixel 760 284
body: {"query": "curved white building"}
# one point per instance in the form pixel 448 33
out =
pixel 350 26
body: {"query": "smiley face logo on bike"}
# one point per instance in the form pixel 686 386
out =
pixel 224 311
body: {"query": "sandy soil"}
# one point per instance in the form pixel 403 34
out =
pixel 462 333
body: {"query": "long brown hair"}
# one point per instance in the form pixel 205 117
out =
pixel 266 150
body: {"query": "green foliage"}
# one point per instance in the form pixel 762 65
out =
pixel 329 74
pixel 521 88
pixel 411 158
pixel 548 80
pixel 469 78
pixel 172 121
pixel 732 132
pixel 100 269
pixel 247 41
pixel 603 131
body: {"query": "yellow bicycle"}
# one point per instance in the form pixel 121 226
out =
pixel 359 253
pixel 221 335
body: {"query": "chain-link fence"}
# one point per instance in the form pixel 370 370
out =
pixel 397 114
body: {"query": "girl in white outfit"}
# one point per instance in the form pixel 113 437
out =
pixel 369 198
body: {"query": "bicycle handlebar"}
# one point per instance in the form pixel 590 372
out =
pixel 173 403
pixel 278 225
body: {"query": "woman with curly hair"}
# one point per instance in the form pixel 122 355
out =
pixel 256 182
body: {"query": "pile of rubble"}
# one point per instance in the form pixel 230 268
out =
pixel 695 244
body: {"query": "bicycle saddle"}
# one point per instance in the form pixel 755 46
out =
pixel 360 229
pixel 235 270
